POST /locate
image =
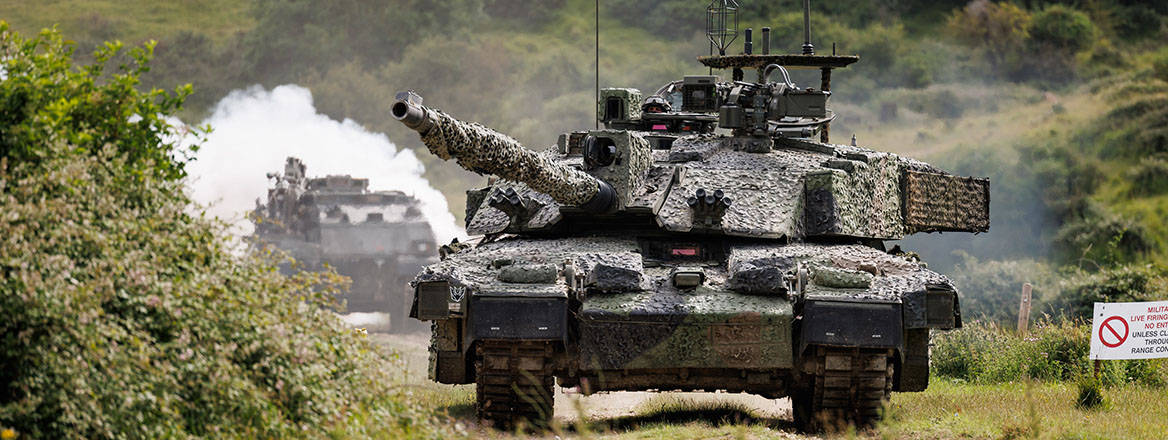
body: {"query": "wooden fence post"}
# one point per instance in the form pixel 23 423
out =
pixel 1024 309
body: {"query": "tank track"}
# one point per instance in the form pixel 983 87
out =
pixel 514 385
pixel 847 385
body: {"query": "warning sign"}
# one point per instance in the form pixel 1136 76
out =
pixel 1130 330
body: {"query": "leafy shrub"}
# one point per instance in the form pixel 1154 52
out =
pixel 522 10
pixel 192 57
pixel 1096 238
pixel 990 289
pixel 1160 65
pixel 1067 177
pixel 1136 21
pixel 1055 35
pixel 1105 59
pixel 126 315
pixel 998 28
pixel 89 106
pixel 292 39
pixel 1080 290
pixel 1149 178
pixel 1135 129
pixel 940 103
pixel 1061 28
pixel 1052 352
pixel 960 354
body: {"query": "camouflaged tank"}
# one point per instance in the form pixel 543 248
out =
pixel 379 239
pixel 708 238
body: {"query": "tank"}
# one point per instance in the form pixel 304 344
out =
pixel 708 238
pixel 379 239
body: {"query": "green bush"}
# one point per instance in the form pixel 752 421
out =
pixel 1061 28
pixel 126 313
pixel 1095 238
pixel 295 39
pixel 1052 352
pixel 1149 178
pixel 1055 36
pixel 1081 289
pixel 999 29
pixel 1136 128
pixel 939 103
pixel 45 99
pixel 990 289
pixel 1136 21
pixel 1105 60
pixel 1160 64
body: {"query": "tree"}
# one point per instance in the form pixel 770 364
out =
pixel 1062 29
pixel 45 99
pixel 998 29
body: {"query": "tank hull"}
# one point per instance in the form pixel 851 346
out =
pixel 610 315
pixel 377 239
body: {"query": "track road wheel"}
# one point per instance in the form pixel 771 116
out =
pixel 514 386
pixel 844 386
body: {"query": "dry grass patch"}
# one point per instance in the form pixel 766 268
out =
pixel 1021 410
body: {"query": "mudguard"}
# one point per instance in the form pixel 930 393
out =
pixel 851 324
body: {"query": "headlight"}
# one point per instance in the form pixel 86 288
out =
pixel 438 299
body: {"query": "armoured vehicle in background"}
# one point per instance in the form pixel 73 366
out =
pixel 708 238
pixel 379 239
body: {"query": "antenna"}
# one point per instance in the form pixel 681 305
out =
pixel 720 15
pixel 808 49
pixel 597 100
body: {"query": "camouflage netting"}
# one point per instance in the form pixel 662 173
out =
pixel 660 324
pixel 617 259
pixel 485 151
pixel 490 220
pixel 837 271
pixel 855 197
pixel 636 156
pixel 940 202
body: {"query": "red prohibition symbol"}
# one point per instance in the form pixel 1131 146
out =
pixel 1109 334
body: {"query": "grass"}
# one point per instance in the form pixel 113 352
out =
pixel 948 409
pixel 455 402
pixel 1054 352
pixel 129 20
pixel 993 117
pixel 1024 410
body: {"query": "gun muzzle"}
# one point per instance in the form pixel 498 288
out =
pixel 415 117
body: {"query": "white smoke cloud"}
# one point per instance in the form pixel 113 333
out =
pixel 254 130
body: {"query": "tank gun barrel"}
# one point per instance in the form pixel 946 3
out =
pixel 486 151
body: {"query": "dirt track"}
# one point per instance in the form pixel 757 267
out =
pixel 570 404
pixel 613 405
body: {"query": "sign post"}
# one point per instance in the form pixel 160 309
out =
pixel 1024 310
pixel 1137 330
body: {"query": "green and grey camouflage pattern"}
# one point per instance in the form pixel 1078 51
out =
pixel 708 238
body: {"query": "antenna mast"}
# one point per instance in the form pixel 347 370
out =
pixel 597 90
pixel 808 49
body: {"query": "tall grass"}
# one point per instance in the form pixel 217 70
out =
pixel 1051 352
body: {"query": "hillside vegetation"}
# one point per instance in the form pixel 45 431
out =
pixel 1062 103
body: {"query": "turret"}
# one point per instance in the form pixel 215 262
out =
pixel 486 151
